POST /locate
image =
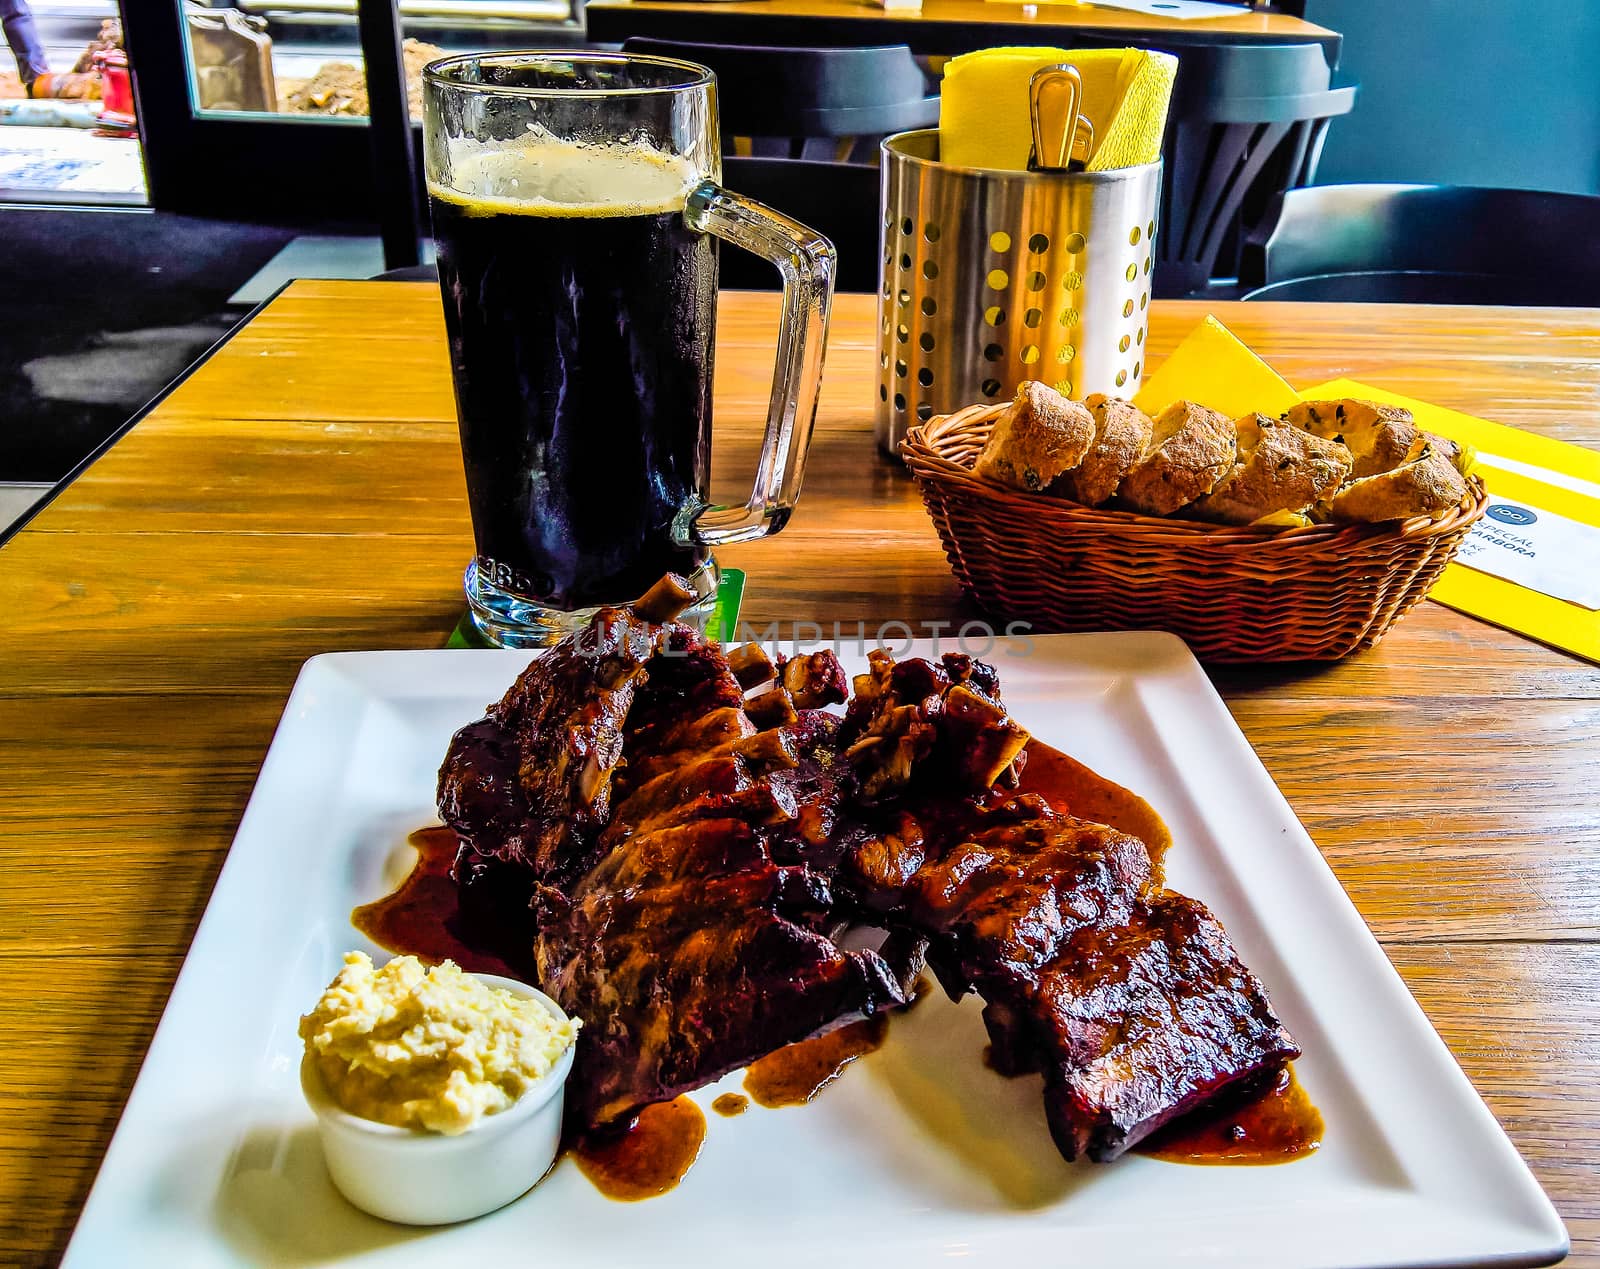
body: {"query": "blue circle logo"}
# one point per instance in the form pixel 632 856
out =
pixel 1508 514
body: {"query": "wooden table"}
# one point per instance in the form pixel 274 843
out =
pixel 940 27
pixel 302 493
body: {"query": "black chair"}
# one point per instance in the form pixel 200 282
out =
pixel 1248 121
pixel 839 200
pixel 805 110
pixel 394 143
pixel 811 103
pixel 1429 244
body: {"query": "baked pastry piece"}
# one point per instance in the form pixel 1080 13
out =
pixel 1039 435
pixel 1379 437
pixel 1426 484
pixel 1191 449
pixel 1462 457
pixel 1121 434
pixel 1279 468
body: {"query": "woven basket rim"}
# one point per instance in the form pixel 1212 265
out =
pixel 919 449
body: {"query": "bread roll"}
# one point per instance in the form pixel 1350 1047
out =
pixel 1379 437
pixel 1191 449
pixel 1121 434
pixel 1427 484
pixel 1279 468
pixel 1039 435
pixel 1462 457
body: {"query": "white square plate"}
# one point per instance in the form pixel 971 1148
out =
pixel 919 1152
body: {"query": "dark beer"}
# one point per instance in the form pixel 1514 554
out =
pixel 580 325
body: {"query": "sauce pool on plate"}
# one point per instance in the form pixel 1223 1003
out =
pixel 650 1157
pixel 730 1104
pixel 422 918
pixel 794 1074
pixel 1074 789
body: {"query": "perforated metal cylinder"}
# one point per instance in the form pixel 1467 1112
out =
pixel 989 278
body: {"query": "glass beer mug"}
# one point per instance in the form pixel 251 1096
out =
pixel 576 210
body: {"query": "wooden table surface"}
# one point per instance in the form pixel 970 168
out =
pixel 940 26
pixel 302 493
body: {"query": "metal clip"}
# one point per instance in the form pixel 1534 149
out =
pixel 1063 137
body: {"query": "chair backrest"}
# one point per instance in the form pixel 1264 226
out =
pixel 798 105
pixel 1212 77
pixel 810 93
pixel 1441 244
pixel 839 200
pixel 1247 122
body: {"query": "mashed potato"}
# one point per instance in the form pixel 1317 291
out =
pixel 432 1049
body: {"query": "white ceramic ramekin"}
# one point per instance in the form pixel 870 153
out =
pixel 426 1178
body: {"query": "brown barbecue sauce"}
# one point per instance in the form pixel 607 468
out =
pixel 422 918
pixel 796 1073
pixel 1073 789
pixel 650 1157
pixel 1278 1125
pixel 730 1104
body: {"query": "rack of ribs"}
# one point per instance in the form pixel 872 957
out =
pixel 1126 996
pixel 673 838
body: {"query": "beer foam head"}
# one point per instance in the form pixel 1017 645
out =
pixel 548 176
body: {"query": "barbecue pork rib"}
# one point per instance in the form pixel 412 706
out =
pixel 1128 997
pixel 698 942
pixel 1136 1025
pixel 667 860
pixel 527 788
pixel 527 784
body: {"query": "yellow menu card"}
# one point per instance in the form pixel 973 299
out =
pixel 1538 478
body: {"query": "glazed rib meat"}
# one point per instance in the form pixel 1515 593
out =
pixel 1001 890
pixel 528 784
pixel 1129 998
pixel 698 941
pixel 1137 1025
pixel 682 978
pixel 527 788
pixel 671 860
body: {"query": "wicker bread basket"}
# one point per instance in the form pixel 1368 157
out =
pixel 1232 593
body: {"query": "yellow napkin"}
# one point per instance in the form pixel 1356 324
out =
pixel 1213 367
pixel 983 104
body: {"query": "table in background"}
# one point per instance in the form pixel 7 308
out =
pixel 940 27
pixel 302 493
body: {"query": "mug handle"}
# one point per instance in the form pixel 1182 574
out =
pixel 806 260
